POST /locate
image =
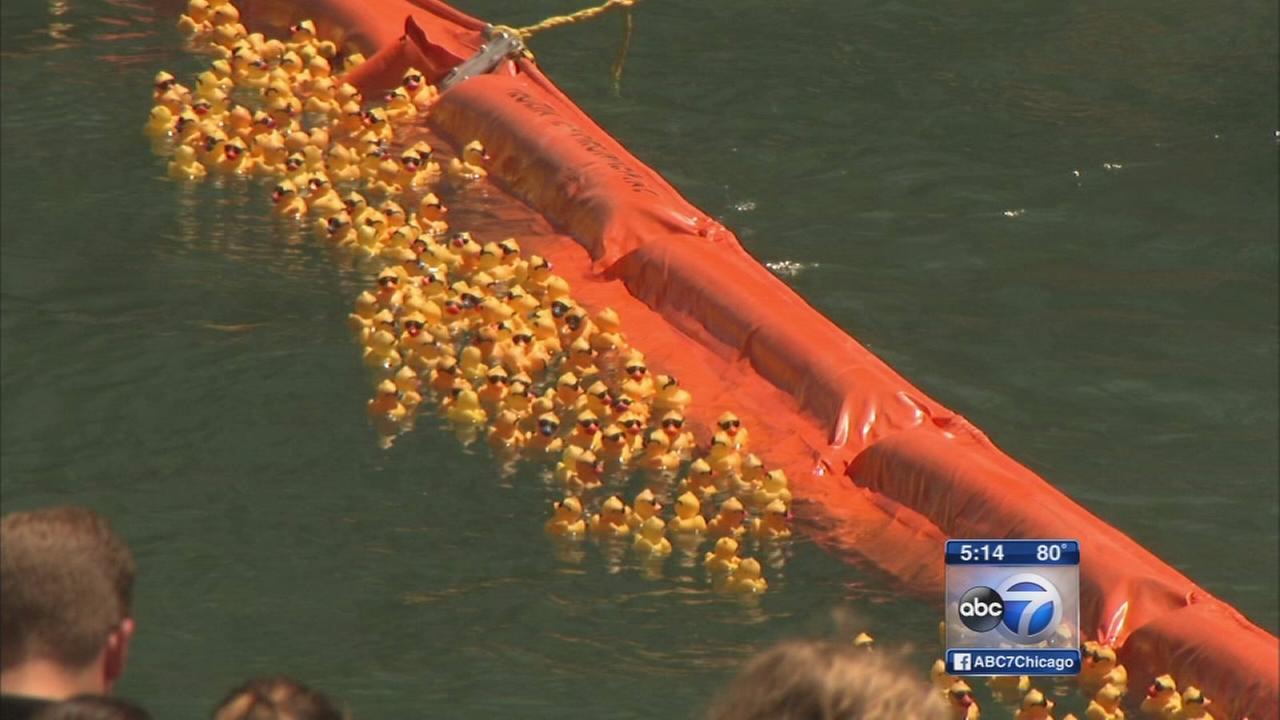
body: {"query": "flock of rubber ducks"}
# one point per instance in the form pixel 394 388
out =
pixel 1102 679
pixel 487 336
pixel 493 339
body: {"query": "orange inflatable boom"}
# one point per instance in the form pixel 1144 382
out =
pixel 881 472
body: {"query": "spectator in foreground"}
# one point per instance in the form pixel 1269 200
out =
pixel 277 698
pixel 823 680
pixel 92 707
pixel 66 584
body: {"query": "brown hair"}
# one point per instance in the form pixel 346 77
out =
pixel 276 698
pixel 823 680
pixel 66 581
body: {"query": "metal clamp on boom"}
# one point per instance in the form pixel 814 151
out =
pixel 502 44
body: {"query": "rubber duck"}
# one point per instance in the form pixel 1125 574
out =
pixel 638 383
pixel 1035 706
pixel 519 397
pixel 256 74
pixel 431 214
pixel 444 375
pixel 466 409
pixel 772 525
pixel 318 70
pixel 750 476
pixel 567 392
pixel 652 539
pixel 420 91
pixel 700 481
pixel 772 488
pixel 723 558
pixel 608 332
pixel 615 448
pixel 680 442
pixel 1193 702
pixel 732 426
pixel 184 165
pixel 962 704
pixel 545 335
pixel 240 124
pixel 1105 704
pixel 362 319
pixel 1162 700
pixel 415 171
pixel 586 431
pixel 375 121
pixel 166 85
pixel 938 676
pixel 1009 688
pixel 186 129
pixel 729 521
pixel 380 349
pixel 596 399
pixel 389 295
pixel 688 517
pixel 320 99
pixel 633 428
pixel 722 457
pixel 352 61
pixel 349 121
pixel 746 578
pixel 506 433
pixel 470 165
pixel 864 641
pixel 286 200
pixel 567 519
pixel 386 403
pixel 495 387
pixel 322 199
pixel 409 384
pixel 611 520
pixel 337 229
pixel 655 454
pixel 539 275
pixel 1100 668
pixel 398 106
pixel 160 122
pixel 545 437
pixel 234 158
pixel 195 21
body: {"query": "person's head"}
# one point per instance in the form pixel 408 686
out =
pixel 92 707
pixel 276 698
pixel 823 680
pixel 66 587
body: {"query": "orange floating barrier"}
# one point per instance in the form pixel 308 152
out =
pixel 881 473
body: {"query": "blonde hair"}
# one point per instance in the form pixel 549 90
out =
pixel 824 680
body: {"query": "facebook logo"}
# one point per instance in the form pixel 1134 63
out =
pixel 963 662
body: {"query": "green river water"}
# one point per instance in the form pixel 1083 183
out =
pixel 1059 219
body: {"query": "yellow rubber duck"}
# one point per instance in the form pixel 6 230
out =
pixel 362 319
pixel 638 383
pixel 670 396
pixel 323 200
pixel 633 429
pixel 615 448
pixel 612 519
pixel 506 433
pixel 337 229
pixel 656 455
pixel 386 403
pixel 680 442
pixel 184 165
pixel 688 517
pixel 352 61
pixel 750 476
pixel 567 520
pixel 729 521
pixel 286 199
pixel 1035 706
pixel 864 641
pixel 1105 704
pixel 321 100
pixel 586 431
pixel 962 704
pixel 398 106
pixel 1009 688
pixel 431 215
pixel 732 426
pixel 1162 700
pixel 608 332
pixel 723 457
pixel 1193 702
pixel 466 409
pixel 495 387
pixel 1100 668
pixel 234 158
pixel 420 91
pixel 195 21
pixel 596 399
pixel 772 525
pixel 700 480
pixel 380 352
pixel 644 506
pixel 773 487
pixel 746 578
pixel 409 384
pixel 444 375
pixel 652 539
pixel 723 558
pixel 545 438
pixel 470 166
pixel 160 122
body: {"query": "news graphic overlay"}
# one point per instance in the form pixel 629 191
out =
pixel 1013 607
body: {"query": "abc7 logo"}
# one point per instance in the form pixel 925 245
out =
pixel 1024 607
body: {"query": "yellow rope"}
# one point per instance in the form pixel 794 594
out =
pixel 621 60
pixel 573 18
